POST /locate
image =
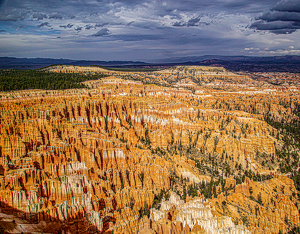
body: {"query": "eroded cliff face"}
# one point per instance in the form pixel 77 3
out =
pixel 266 207
pixel 91 160
pixel 193 216
pixel 61 163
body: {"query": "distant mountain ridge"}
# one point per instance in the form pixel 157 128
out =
pixel 230 58
pixel 288 63
pixel 33 63
pixel 255 64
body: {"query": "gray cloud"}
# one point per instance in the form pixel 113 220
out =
pixel 1 2
pixel 283 18
pixel 130 23
pixel 280 16
pixel 190 23
pixel 56 15
pixel 13 15
pixel 138 37
pixel 277 27
pixel 56 9
pixel 102 32
pixel 194 21
pixel 179 24
pixel 288 6
pixel 78 28
pixel 142 28
pixel 66 26
pixel 100 25
pixel 88 27
pixel 39 16
pixel 45 24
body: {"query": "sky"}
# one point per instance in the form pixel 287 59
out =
pixel 148 30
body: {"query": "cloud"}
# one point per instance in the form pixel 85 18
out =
pixel 45 24
pixel 13 15
pixel 66 26
pixel 100 25
pixel 283 18
pixel 78 28
pixel 146 29
pixel 88 27
pixel 280 16
pixel 39 16
pixel 1 2
pixel 179 24
pixel 102 32
pixel 195 21
pixel 276 26
pixel 251 49
pixel 130 23
pixel 56 16
pixel 291 50
pixel 287 6
pixel 137 37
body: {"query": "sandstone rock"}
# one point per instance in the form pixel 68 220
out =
pixel 94 157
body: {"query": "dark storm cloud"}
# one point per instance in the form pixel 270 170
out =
pixel 277 27
pixel 102 32
pixel 280 16
pixel 283 18
pixel 287 6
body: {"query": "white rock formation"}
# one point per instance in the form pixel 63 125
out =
pixel 196 211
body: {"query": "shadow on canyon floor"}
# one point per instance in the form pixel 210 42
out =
pixel 10 218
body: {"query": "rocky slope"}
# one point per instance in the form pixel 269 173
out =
pixel 96 160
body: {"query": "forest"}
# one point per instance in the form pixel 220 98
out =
pixel 38 79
